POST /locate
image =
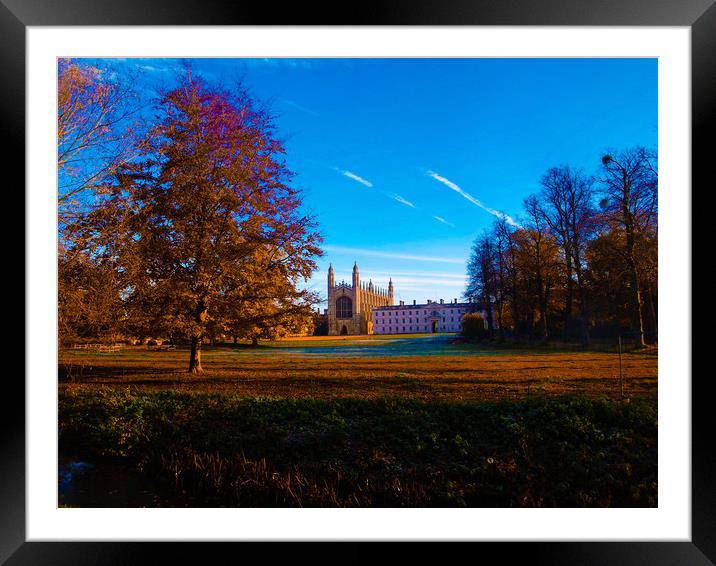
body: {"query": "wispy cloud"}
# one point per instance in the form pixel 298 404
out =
pixel 358 252
pixel 413 273
pixel 404 283
pixel 355 177
pixel 166 68
pixel 448 183
pixel 277 63
pixel 441 219
pixel 395 196
pixel 303 109
pixel 298 63
pixel 416 281
pixel 401 200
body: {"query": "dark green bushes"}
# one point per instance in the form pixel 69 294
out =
pixel 227 451
pixel 474 327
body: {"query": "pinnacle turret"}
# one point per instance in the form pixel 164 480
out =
pixel 356 276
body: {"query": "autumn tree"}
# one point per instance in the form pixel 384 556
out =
pixel 474 326
pixel 566 203
pixel 269 304
pixel 209 201
pixel 97 123
pixel 96 126
pixel 629 182
pixel 508 276
pixel 89 304
pixel 482 282
pixel 568 252
pixel 607 279
pixel 320 324
pixel 495 278
pixel 537 257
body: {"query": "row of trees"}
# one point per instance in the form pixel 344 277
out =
pixel 583 259
pixel 178 218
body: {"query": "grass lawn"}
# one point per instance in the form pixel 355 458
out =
pixel 283 425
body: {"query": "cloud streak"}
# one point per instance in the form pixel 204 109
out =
pixel 413 273
pixel 277 63
pixel 367 252
pixel 355 177
pixel 442 220
pixel 394 196
pixel 301 108
pixel 154 69
pixel 449 184
pixel 401 200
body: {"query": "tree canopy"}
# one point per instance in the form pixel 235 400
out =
pixel 584 259
pixel 204 226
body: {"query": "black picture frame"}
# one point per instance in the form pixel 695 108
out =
pixel 16 15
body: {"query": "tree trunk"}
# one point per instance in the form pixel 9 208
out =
pixel 636 298
pixel 583 308
pixel 651 311
pixel 200 317
pixel 195 356
pixel 638 322
pixel 569 284
pixel 542 295
pixel 490 321
pixel 254 341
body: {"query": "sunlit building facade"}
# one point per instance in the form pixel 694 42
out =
pixel 430 317
pixel 350 305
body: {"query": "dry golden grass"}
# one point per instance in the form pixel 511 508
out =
pixel 446 377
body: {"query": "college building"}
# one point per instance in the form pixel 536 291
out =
pixel 365 308
pixel 420 318
pixel 350 306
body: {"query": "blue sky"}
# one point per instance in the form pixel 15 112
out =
pixel 405 161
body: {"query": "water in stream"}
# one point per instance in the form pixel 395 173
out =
pixel 105 484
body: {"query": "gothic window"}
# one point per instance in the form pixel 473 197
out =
pixel 344 308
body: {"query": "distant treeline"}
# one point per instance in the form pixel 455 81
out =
pixel 581 262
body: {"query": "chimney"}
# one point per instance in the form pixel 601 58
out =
pixel 413 301
pixel 429 301
pixel 402 303
pixel 442 302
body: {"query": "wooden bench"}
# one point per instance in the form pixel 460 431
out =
pixel 98 347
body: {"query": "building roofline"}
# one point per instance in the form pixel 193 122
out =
pixel 430 305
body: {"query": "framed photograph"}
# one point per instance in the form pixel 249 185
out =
pixel 385 158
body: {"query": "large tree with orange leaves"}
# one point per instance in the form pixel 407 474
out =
pixel 207 220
